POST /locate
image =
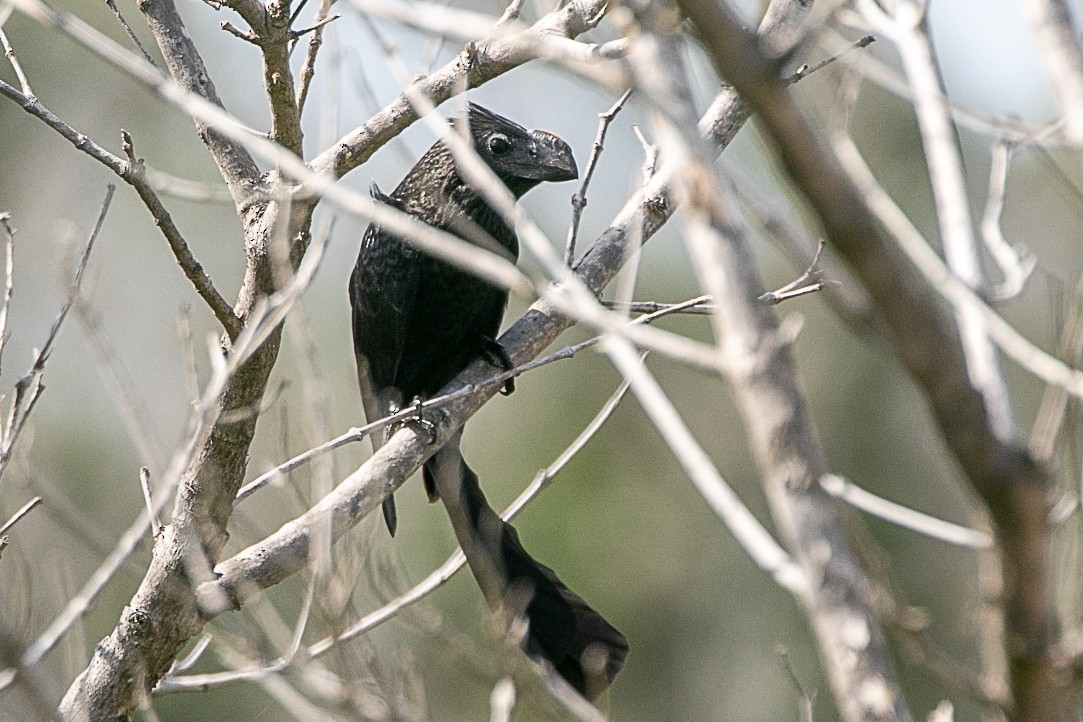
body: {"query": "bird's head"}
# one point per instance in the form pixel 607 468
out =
pixel 521 158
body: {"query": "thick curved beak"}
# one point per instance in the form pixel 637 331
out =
pixel 553 160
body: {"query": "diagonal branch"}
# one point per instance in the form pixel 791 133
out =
pixel 476 65
pixel 759 364
pixel 1013 485
pixel 234 162
pixel 906 26
pixel 187 68
pixel 132 172
pixel 1058 41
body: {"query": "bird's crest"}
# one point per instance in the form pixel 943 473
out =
pixel 484 121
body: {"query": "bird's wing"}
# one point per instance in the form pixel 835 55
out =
pixel 383 292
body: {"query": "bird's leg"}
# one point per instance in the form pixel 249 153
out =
pixel 495 354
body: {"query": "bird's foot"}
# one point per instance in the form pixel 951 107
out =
pixel 495 354
pixel 419 420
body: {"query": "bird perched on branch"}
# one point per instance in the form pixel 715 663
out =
pixel 417 322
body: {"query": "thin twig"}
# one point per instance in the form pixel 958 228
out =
pixel 308 67
pixel 189 660
pixel 170 185
pixel 650 153
pixel 9 52
pixel 188 352
pixel 903 25
pixel 511 14
pixel 1049 421
pixel 1016 263
pixel 502 701
pixel 316 26
pixel 128 29
pixel 700 309
pixel 805 70
pixel 9 279
pixel 246 35
pixel 757 542
pixel 29 387
pixel 810 281
pixel 904 516
pixel 806 697
pixel 134 173
pixel 23 511
pixel 152 514
pixel 579 200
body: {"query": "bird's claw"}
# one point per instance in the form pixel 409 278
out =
pixel 419 420
pixel 495 354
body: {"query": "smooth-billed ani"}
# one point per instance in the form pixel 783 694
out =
pixel 417 322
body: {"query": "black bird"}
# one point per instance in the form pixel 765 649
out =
pixel 417 322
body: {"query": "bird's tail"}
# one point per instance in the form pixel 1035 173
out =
pixel 563 630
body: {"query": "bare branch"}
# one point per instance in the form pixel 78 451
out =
pixel 9 276
pixel 474 66
pixel 806 698
pixel 308 66
pixel 808 282
pixel 904 516
pixel 128 29
pixel 1011 483
pixel 135 174
pixel 152 515
pixel 502 701
pixel 1016 263
pixel 1059 43
pixel 9 52
pixel 579 200
pixel 29 387
pixel 905 25
pixel 1054 407
pixel 808 69
pixel 510 15
pixel 23 511
pixel 760 367
pixel 131 171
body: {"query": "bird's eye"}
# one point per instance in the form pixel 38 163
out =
pixel 499 144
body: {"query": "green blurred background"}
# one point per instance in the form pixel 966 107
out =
pixel 622 524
